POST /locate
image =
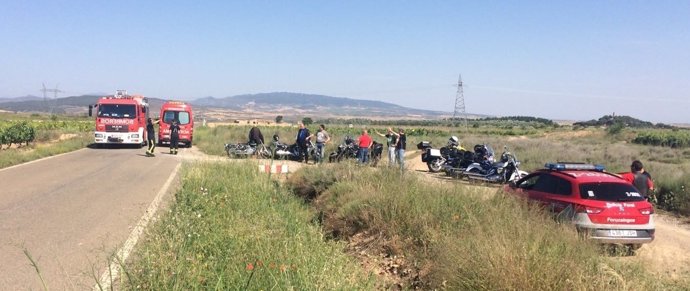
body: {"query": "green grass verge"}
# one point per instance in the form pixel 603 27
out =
pixel 231 228
pixel 460 238
pixel 15 156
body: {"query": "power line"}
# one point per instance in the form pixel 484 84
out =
pixel 460 103
pixel 55 95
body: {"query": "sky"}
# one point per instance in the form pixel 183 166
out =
pixel 575 60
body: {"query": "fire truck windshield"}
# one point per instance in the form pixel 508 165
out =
pixel 181 116
pixel 117 110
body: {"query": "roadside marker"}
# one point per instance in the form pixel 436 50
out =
pixel 273 169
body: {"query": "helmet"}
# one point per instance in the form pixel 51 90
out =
pixel 453 140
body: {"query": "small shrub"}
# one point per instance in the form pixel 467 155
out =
pixel 615 128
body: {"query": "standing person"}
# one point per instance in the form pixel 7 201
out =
pixel 649 176
pixel 391 139
pixel 322 137
pixel 302 139
pixel 174 137
pixel 151 136
pixel 637 178
pixel 400 147
pixel 255 136
pixel 365 142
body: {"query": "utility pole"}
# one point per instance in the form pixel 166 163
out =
pixel 460 103
pixel 45 95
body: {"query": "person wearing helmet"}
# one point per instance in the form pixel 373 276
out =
pixel 454 142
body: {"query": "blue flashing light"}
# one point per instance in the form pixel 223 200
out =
pixel 574 166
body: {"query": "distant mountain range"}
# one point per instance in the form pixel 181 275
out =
pixel 313 102
pixel 259 105
pixel 20 99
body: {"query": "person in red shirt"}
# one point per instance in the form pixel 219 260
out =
pixel 639 179
pixel 365 142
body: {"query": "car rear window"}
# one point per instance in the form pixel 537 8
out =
pixel 612 192
pixel 182 117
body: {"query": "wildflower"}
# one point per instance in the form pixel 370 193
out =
pixel 259 263
pixel 283 268
pixel 250 267
pixel 272 265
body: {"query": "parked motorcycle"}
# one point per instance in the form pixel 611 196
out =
pixel 375 153
pixel 448 156
pixel 458 162
pixel 505 171
pixel 282 151
pixel 431 156
pixel 346 150
pixel 247 149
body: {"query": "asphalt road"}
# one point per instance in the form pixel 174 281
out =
pixel 71 212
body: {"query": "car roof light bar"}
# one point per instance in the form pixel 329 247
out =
pixel 574 166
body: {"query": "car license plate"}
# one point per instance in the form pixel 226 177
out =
pixel 622 232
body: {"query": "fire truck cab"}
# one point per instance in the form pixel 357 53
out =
pixel 121 119
pixel 182 112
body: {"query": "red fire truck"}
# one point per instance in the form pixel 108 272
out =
pixel 182 112
pixel 121 119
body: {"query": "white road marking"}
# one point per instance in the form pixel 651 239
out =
pixel 42 159
pixel 111 274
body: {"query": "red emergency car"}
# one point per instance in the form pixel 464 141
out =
pixel 601 205
pixel 182 112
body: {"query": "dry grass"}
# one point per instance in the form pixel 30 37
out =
pixel 453 238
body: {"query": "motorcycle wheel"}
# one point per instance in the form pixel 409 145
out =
pixel 434 166
pixel 265 154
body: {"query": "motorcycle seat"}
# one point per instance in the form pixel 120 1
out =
pixel 499 164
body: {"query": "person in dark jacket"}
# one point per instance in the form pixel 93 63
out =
pixel 151 136
pixel 400 146
pixel 174 137
pixel 637 178
pixel 255 136
pixel 302 140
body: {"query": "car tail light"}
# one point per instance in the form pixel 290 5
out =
pixel 647 211
pixel 588 209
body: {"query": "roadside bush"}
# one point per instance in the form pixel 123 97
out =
pixel 17 133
